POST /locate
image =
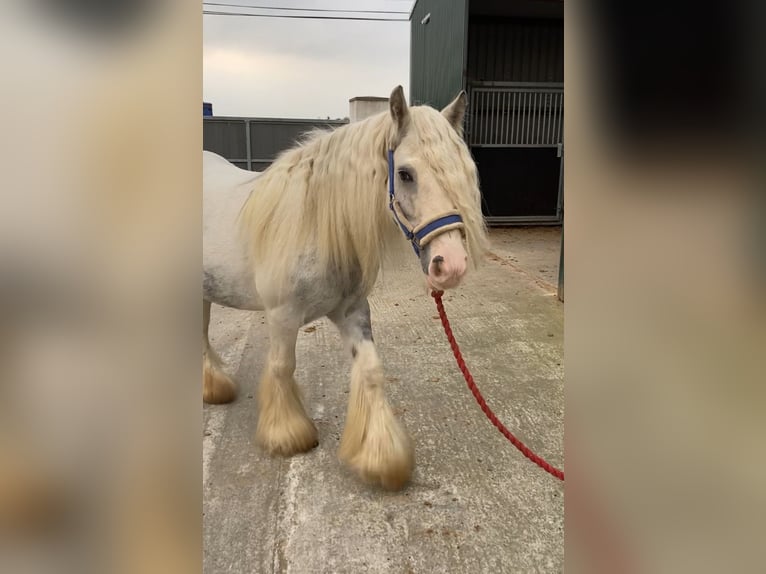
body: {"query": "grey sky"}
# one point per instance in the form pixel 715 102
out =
pixel 274 67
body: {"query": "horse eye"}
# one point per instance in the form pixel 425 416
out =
pixel 405 175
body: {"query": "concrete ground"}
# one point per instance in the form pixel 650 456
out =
pixel 475 504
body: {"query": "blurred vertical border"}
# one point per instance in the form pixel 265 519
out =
pixel 665 277
pixel 100 257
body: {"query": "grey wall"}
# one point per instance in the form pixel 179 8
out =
pixel 364 107
pixel 268 137
pixel 437 51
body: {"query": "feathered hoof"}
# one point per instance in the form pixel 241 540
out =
pixel 217 387
pixel 388 462
pixel 290 436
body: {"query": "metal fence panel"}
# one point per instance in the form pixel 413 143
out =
pixel 515 116
pixel 253 143
pixel 225 137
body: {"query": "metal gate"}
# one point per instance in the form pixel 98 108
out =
pixel 253 143
pixel 518 115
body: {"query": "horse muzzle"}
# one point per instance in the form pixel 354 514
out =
pixel 444 261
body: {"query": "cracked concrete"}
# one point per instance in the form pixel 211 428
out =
pixel 475 503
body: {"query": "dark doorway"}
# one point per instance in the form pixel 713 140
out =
pixel 518 182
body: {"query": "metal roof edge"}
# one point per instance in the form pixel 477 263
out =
pixel 412 10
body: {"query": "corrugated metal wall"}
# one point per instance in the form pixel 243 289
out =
pixel 268 137
pixel 437 51
pixel 515 50
pixel 226 138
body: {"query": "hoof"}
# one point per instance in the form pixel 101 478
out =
pixel 217 386
pixel 393 475
pixel 386 459
pixel 292 436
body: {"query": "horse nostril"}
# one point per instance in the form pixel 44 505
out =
pixel 437 261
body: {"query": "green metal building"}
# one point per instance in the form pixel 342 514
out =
pixel 509 57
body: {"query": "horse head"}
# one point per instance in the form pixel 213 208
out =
pixel 434 189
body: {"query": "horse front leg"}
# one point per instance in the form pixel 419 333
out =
pixel 374 443
pixel 283 426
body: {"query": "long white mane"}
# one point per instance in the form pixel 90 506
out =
pixel 327 197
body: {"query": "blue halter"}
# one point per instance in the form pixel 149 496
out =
pixel 419 236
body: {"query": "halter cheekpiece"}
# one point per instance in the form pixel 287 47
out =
pixel 421 235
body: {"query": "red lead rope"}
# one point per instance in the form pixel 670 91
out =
pixel 539 461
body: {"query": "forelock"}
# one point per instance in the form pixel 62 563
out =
pixel 431 127
pixel 451 164
pixel 440 146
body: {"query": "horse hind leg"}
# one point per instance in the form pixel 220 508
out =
pixel 374 443
pixel 283 428
pixel 217 386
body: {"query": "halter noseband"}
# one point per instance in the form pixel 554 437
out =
pixel 421 235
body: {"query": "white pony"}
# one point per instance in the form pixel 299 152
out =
pixel 306 238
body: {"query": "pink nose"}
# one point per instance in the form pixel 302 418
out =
pixel 446 273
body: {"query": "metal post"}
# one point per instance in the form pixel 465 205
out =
pixel 247 146
pixel 560 200
pixel 560 290
pixel 512 139
pixel 560 215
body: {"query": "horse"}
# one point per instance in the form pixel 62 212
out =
pixel 306 238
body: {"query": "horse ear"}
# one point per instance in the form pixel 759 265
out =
pixel 455 112
pixel 399 111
